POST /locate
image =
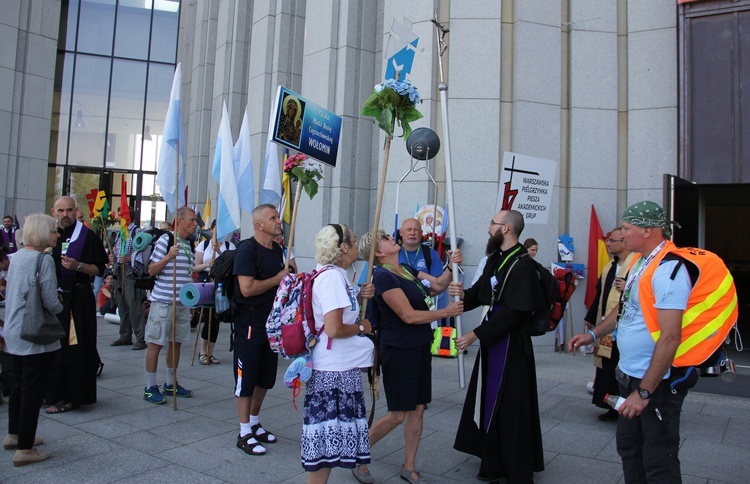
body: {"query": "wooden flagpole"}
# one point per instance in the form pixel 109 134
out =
pixel 174 277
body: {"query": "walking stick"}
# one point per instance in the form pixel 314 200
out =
pixel 441 31
pixel 197 335
pixel 374 387
pixel 297 195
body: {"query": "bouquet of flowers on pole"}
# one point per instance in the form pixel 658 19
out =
pixel 393 101
pixel 306 173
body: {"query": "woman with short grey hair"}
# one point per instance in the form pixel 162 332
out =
pixel 30 361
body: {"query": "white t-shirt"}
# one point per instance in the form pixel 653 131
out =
pixel 633 337
pixel 207 249
pixel 331 291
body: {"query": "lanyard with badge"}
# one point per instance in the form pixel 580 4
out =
pixel 429 300
pixel 635 275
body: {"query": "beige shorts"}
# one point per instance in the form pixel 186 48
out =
pixel 159 324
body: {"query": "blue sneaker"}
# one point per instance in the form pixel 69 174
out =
pixel 153 395
pixel 181 392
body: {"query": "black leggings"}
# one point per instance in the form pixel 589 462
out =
pixel 215 323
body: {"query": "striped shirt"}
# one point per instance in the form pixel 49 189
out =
pixel 162 290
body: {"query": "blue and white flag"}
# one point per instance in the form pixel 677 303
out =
pixel 170 152
pixel 228 212
pixel 243 167
pixel 270 192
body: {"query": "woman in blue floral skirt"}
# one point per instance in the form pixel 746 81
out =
pixel 335 431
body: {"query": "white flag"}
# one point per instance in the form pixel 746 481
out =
pixel 172 148
pixel 228 212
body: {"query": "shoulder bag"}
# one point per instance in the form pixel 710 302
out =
pixel 39 325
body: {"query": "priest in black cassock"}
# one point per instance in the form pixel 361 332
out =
pixel 500 419
pixel 8 235
pixel 79 254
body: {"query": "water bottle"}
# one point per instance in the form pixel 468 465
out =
pixel 614 401
pixel 220 301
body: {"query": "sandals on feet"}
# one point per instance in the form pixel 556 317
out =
pixel 250 447
pixel 214 360
pixel 406 474
pixel 61 407
pixel 363 477
pixel 203 359
pixel 266 437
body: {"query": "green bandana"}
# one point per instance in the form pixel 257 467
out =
pixel 649 214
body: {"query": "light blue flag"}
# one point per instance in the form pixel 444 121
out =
pixel 270 192
pixel 228 212
pixel 243 167
pixel 170 162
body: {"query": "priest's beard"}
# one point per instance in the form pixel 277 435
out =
pixel 494 243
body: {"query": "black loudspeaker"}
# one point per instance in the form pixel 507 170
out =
pixel 423 144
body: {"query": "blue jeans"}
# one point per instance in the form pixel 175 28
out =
pixel 648 444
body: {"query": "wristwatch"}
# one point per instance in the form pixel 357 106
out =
pixel 80 267
pixel 361 329
pixel 644 394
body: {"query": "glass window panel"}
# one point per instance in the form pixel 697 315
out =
pixel 61 113
pixel 68 25
pixel 126 114
pixel 133 25
pixel 90 93
pixel 96 26
pixel 81 183
pixel 159 87
pixel 164 35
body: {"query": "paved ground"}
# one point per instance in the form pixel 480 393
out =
pixel 125 439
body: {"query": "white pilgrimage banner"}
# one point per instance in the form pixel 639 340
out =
pixel 526 185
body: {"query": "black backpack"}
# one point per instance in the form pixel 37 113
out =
pixel 556 289
pixel 222 272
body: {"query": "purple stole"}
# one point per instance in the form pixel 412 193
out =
pixel 75 247
pixel 9 239
pixel 497 355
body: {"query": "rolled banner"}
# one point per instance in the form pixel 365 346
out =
pixel 142 240
pixel 197 294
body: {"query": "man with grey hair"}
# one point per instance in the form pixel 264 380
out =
pixel 170 277
pixel 259 267
pixel 655 296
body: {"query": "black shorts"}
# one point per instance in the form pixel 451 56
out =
pixel 254 362
pixel 407 377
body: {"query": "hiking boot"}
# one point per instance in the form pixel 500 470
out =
pixel 153 395
pixel 139 345
pixel 181 392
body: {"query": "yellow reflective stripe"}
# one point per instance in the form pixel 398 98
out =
pixel 709 302
pixel 689 316
pixel 708 330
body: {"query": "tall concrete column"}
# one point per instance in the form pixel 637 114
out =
pixel 28 34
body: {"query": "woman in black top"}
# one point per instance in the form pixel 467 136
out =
pixel 404 300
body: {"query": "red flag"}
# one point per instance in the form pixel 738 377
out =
pixel 598 257
pixel 186 191
pixel 124 209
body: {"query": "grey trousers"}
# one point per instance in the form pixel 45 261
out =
pixel 129 300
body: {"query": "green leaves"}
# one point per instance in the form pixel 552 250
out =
pixel 388 107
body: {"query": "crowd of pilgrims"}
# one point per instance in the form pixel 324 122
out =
pixel 80 279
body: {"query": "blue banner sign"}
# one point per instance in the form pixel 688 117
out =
pixel 306 127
